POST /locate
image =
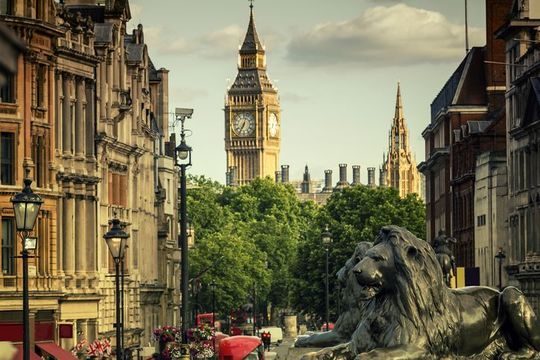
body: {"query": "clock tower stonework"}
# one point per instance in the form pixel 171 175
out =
pixel 252 115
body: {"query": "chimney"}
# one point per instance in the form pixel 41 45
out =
pixel 382 177
pixel 342 183
pixel 285 173
pixel 356 175
pixel 327 181
pixel 232 176
pixel 371 176
pixel 277 176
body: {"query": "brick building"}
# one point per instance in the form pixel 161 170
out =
pixel 467 119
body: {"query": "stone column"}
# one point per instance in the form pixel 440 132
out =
pixel 80 145
pixel 91 226
pixel 90 118
pixel 58 124
pixel 80 230
pixel 66 116
pixel 109 86
pixel 102 91
pixel 91 328
pixel 67 230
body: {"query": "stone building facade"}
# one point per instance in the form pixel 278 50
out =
pixel 27 149
pixel 523 122
pixel 399 166
pixel 87 117
pixel 490 210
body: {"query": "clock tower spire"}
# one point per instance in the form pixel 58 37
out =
pixel 252 113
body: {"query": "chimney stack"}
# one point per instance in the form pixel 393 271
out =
pixel 342 183
pixel 382 177
pixel 285 174
pixel 371 176
pixel 327 181
pixel 277 176
pixel 356 175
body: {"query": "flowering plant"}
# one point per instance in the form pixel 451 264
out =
pixel 200 342
pixel 166 334
pixel 100 348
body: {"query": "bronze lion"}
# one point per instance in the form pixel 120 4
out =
pixel 409 313
pixel 348 320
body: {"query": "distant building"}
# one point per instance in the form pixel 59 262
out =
pixel 490 206
pixel 252 115
pixel 467 119
pixel 399 166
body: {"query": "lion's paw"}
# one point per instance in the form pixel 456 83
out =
pixel 525 354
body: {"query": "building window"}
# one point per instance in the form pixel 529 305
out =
pixel 481 220
pixel 7 92
pixel 6 7
pixel 7 158
pixel 40 85
pixel 8 247
pixel 39 156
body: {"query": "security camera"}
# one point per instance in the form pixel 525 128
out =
pixel 183 113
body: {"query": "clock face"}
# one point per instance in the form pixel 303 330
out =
pixel 244 124
pixel 273 125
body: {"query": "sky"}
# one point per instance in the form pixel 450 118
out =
pixel 336 65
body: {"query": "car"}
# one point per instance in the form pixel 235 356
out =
pixel 276 334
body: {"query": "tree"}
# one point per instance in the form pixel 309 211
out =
pixel 255 229
pixel 354 214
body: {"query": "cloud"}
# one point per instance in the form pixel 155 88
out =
pixel 221 43
pixel 293 97
pixel 384 36
pixel 188 94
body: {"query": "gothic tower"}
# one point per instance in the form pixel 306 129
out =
pixel 399 166
pixel 252 114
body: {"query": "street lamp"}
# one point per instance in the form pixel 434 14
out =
pixel 213 287
pixel 327 240
pixel 500 256
pixel 26 207
pixel 116 240
pixel 183 161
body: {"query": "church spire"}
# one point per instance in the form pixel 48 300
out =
pixel 399 106
pixel 251 42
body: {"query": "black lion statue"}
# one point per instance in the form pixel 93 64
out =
pixel 348 320
pixel 409 313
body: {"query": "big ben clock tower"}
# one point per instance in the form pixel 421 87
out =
pixel 252 114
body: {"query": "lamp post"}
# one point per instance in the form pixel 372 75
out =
pixel 254 310
pixel 183 161
pixel 327 240
pixel 26 207
pixel 116 240
pixel 500 256
pixel 213 287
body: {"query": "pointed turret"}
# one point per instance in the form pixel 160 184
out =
pixel 399 106
pixel 251 43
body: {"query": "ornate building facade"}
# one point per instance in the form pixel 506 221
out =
pixel 522 38
pixel 86 118
pixel 399 166
pixel 252 115
pixel 27 149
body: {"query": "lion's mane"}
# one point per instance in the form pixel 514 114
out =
pixel 419 309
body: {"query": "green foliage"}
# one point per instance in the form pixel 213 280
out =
pixel 261 235
pixel 353 215
pixel 255 229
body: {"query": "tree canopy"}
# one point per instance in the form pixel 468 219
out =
pixel 261 237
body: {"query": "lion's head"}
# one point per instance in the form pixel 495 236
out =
pixel 401 278
pixel 345 276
